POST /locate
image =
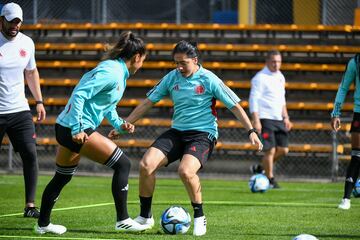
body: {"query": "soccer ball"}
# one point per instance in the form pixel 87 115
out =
pixel 259 183
pixel 356 190
pixel 175 220
pixel 305 237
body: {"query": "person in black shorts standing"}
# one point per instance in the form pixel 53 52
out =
pixel 17 61
pixel 269 113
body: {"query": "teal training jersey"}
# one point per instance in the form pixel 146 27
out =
pixel 194 99
pixel 95 97
pixel 351 75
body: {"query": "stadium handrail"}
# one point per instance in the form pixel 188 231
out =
pixel 327 86
pixel 191 26
pixel 133 102
pixel 164 122
pixel 207 47
pixel 144 143
pixel 209 65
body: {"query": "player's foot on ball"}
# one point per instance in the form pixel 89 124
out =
pixel 344 204
pixel 145 221
pixel 31 212
pixel 274 184
pixel 129 225
pixel 51 228
pixel 199 226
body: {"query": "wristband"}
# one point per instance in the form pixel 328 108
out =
pixel 39 102
pixel 253 130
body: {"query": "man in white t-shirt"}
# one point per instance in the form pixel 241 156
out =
pixel 269 113
pixel 17 63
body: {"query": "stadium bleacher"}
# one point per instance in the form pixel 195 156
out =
pixel 233 52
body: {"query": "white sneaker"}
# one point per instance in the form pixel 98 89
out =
pixel 145 221
pixel 345 204
pixel 51 228
pixel 199 226
pixel 129 225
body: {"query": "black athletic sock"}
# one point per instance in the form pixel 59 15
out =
pixel 352 173
pixel 145 206
pixel 30 170
pixel 52 191
pixel 121 165
pixel 198 210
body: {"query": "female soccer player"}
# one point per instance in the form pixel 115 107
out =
pixel 93 99
pixel 351 75
pixel 193 134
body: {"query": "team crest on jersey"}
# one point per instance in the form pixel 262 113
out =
pixel 23 53
pixel 199 89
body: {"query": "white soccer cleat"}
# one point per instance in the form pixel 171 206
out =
pixel 129 225
pixel 51 228
pixel 145 221
pixel 345 204
pixel 199 226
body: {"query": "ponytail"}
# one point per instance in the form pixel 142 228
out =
pixel 127 46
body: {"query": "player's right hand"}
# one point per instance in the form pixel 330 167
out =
pixel 335 123
pixel 80 138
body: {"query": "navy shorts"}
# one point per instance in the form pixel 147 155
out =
pixel 64 137
pixel 174 144
pixel 19 127
pixel 355 124
pixel 274 134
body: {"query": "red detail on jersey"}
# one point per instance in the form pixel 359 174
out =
pixel 356 123
pixel 213 109
pixel 34 136
pixel 265 135
pixel 199 89
pixel 23 53
pixel 193 148
pixel 68 109
pixel 176 88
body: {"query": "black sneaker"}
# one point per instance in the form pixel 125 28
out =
pixel 31 212
pixel 274 184
pixel 256 169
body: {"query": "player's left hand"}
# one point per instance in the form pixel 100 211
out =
pixel 128 127
pixel 255 140
pixel 288 124
pixel 41 113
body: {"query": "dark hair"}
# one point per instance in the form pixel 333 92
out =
pixel 127 46
pixel 272 53
pixel 189 48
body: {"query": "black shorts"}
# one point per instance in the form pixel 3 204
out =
pixel 64 137
pixel 19 127
pixel 355 124
pixel 274 134
pixel 174 144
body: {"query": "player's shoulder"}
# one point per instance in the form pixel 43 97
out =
pixel 25 39
pixel 208 75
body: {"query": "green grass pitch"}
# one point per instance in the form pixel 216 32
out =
pixel 86 208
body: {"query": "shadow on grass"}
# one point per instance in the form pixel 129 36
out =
pixel 158 232
pixel 84 231
pixel 322 236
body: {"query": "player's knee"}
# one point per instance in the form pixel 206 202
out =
pixel 185 173
pixel 146 168
pixel 283 151
pixel 270 152
pixel 119 161
pixel 28 152
pixel 63 174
